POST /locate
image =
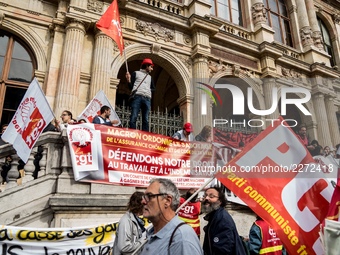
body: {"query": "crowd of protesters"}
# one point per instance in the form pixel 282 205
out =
pixel 169 233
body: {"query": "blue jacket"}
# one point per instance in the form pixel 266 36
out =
pixel 221 236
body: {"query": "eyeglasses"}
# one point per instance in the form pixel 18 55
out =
pixel 147 197
pixel 210 196
pixel 65 114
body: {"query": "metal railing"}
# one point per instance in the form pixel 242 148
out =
pixel 163 123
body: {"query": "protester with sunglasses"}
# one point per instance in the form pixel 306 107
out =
pixel 221 236
pixel 66 119
pixel 169 235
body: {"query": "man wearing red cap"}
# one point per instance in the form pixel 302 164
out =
pixel 185 134
pixel 141 83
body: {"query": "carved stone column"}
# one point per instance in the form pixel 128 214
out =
pixel 332 121
pixel 202 112
pixel 69 76
pixel 268 85
pixel 324 137
pixel 57 33
pixel 316 36
pixel 305 29
pixel 101 64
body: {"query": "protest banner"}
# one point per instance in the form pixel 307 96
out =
pixel 96 240
pixel 93 108
pixel 278 179
pixel 233 139
pixel 30 119
pixel 87 240
pixel 112 155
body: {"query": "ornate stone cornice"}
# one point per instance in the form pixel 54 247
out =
pixel 186 60
pixel 2 17
pixel 155 30
pixel 185 99
pixel 94 5
pixel 215 67
pixel 336 18
pixel 76 24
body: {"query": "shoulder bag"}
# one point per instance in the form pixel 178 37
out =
pixel 133 93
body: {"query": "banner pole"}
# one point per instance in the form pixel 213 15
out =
pixel 196 192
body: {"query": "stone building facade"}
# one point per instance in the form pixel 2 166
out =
pixel 258 44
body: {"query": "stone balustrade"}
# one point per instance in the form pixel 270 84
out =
pixel 54 196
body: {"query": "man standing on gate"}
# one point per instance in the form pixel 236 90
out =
pixel 141 85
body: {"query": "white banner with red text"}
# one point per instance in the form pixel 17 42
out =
pixel 110 155
pixel 93 108
pixel 30 119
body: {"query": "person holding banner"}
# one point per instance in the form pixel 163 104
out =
pixel 130 231
pixel 66 119
pixel 104 117
pixel 169 235
pixel 142 86
pixel 221 236
pixel 191 212
pixel 264 240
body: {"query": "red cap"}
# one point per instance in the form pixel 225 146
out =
pixel 188 127
pixel 147 61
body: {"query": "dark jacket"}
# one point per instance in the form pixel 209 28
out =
pixel 221 236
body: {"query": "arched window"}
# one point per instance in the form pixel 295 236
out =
pixel 279 21
pixel 326 40
pixel 16 72
pixel 227 9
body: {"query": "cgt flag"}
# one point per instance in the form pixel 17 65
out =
pixel 278 179
pixel 109 23
pixel 30 119
pixel 93 108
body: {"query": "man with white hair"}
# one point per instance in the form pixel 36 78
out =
pixel 169 235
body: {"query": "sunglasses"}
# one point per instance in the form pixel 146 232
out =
pixel 148 196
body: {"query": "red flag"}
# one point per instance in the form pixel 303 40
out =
pixel 277 178
pixel 109 23
pixel 333 211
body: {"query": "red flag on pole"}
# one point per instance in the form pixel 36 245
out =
pixel 279 180
pixel 109 23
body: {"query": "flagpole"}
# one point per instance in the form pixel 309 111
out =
pixel 127 69
pixel 193 195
